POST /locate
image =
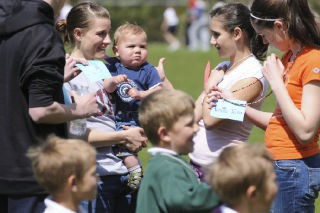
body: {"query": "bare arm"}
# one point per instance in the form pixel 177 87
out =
pixel 198 108
pixel 165 81
pixel 303 123
pixel 257 117
pixel 110 84
pixel 132 138
pixel 139 95
pixel 247 94
pixel 84 106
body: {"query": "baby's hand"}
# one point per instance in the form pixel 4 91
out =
pixel 134 93
pixel 110 84
pixel 119 79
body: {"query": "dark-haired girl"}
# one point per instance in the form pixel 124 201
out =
pixel 292 130
pixel 234 38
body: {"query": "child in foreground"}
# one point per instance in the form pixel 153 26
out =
pixel 170 184
pixel 130 46
pixel 66 168
pixel 244 179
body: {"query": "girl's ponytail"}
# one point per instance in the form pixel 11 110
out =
pixel 258 48
pixel 61 27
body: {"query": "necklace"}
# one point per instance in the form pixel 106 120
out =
pixel 238 62
pixel 246 86
pixel 250 103
pixel 293 59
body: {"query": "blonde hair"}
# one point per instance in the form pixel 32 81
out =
pixel 126 29
pixel 57 159
pixel 163 108
pixel 237 168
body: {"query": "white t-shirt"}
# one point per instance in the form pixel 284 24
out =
pixel 224 209
pixel 53 207
pixel 208 144
pixel 171 17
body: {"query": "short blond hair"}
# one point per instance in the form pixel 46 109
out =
pixel 54 161
pixel 237 168
pixel 126 29
pixel 163 108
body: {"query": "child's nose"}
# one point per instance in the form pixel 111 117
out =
pixel 137 49
pixel 213 40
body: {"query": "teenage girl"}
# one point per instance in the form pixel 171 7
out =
pixel 234 38
pixel 292 130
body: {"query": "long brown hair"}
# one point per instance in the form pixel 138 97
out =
pixel 238 15
pixel 296 14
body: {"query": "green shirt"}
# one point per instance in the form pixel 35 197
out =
pixel 170 185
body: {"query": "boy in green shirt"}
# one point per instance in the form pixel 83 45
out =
pixel 170 184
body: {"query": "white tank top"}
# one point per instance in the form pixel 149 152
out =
pixel 208 144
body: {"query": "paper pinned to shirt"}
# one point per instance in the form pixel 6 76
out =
pixel 95 70
pixel 229 110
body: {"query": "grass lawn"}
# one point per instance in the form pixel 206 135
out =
pixel 185 70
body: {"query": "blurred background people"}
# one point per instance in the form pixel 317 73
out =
pixel 170 27
pixel 65 10
pixel 198 32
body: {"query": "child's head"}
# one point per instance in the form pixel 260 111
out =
pixel 244 175
pixel 87 28
pixel 167 118
pixel 130 45
pixel 279 21
pixel 59 163
pixel 231 22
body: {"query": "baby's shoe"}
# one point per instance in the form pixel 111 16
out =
pixel 135 178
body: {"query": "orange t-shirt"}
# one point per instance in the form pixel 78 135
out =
pixel 279 139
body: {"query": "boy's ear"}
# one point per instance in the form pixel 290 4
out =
pixel 77 33
pixel 163 134
pixel 72 183
pixel 251 192
pixel 115 50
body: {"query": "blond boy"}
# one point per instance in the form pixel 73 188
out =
pixel 67 170
pixel 170 185
pixel 244 179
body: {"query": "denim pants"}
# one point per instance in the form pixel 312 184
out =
pixel 299 185
pixel 112 196
pixel 129 119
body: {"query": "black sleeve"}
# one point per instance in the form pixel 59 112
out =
pixel 42 78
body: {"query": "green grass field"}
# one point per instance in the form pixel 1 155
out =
pixel 185 70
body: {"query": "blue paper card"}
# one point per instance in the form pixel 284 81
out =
pixel 226 110
pixel 95 70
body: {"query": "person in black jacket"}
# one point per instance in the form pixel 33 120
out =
pixel 32 60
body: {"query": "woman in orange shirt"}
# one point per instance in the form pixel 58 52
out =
pixel 292 131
